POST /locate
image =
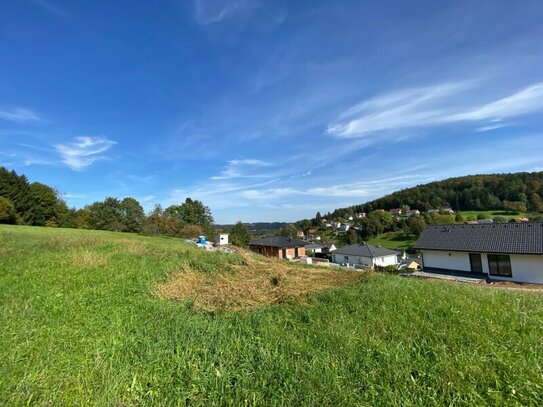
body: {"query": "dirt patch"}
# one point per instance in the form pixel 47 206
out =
pixel 88 259
pixel 257 282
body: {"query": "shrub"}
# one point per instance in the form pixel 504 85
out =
pixel 7 211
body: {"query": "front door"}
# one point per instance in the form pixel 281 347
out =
pixel 284 253
pixel 296 253
pixel 475 263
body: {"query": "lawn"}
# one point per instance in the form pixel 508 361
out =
pixel 491 214
pixel 394 240
pixel 84 323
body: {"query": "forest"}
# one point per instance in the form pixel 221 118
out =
pixel 518 192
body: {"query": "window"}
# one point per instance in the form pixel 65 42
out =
pixel 499 265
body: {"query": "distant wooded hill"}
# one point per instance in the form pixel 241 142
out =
pixel 520 192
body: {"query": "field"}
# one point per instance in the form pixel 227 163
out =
pixel 491 214
pixel 394 240
pixel 86 320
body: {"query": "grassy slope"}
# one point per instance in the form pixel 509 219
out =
pixel 80 325
pixel 394 240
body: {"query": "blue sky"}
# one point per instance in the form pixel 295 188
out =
pixel 267 110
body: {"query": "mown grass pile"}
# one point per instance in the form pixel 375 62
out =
pixel 87 318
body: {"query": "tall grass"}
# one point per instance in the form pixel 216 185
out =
pixel 96 334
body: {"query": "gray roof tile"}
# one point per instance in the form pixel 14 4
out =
pixel 519 238
pixel 364 250
pixel 278 241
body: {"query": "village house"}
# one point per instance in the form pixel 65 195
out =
pixel 508 251
pixel 396 211
pixel 412 212
pixel 279 246
pixel 313 248
pixel 364 254
pixel 300 234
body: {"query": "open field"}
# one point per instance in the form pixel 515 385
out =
pixel 394 240
pixel 492 213
pixel 85 322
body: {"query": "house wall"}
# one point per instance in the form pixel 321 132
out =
pixel 342 258
pixel 385 261
pixel 366 261
pixel 278 252
pixel 447 260
pixel 524 267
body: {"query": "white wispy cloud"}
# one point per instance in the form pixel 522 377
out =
pixel 242 169
pixel 19 115
pixel 215 11
pixel 432 106
pixel 52 8
pixel 83 151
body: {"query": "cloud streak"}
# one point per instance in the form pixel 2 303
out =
pixel 84 151
pixel 52 8
pixel 214 11
pixel 19 115
pixel 431 106
pixel 239 169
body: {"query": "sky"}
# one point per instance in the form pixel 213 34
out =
pixel 267 110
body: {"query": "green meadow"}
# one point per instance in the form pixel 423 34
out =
pixel 83 323
pixel 394 240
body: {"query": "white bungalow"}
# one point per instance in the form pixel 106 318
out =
pixel 507 252
pixel 364 254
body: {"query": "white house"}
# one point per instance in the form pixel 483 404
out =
pixel 509 251
pixel 364 254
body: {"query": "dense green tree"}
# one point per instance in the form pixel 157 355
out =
pixel 515 206
pixel 132 214
pixel 17 189
pixel 288 230
pixel 192 212
pixel 106 215
pixel 416 225
pixel 44 201
pixel 8 214
pixel 239 235
pixel 536 203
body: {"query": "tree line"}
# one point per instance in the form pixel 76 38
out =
pixel 37 204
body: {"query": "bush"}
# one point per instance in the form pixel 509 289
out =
pixel 7 211
pixel 387 269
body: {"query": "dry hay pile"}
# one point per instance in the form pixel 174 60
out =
pixel 258 282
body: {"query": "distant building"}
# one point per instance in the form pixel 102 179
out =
pixel 412 212
pixel 364 254
pixel 313 248
pixel 300 234
pixel 279 246
pixel 396 211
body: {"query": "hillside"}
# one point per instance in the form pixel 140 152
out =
pixel 105 318
pixel 519 192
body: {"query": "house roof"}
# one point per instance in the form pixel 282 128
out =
pixel 278 241
pixel 519 238
pixel 312 246
pixel 365 250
